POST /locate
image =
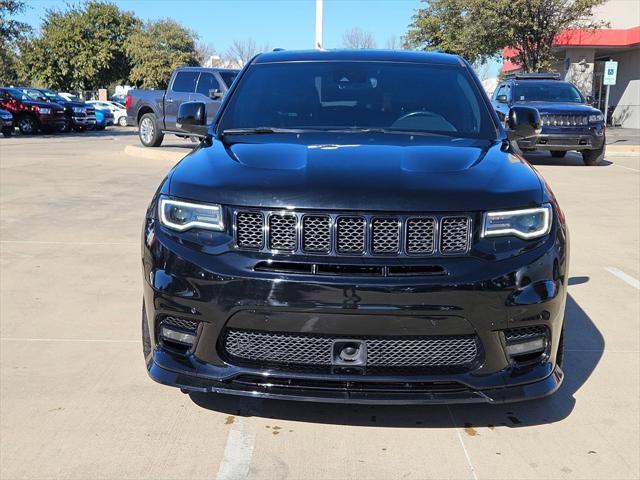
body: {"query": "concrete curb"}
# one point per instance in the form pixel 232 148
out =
pixel 154 153
pixel 615 148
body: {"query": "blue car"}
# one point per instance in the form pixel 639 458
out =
pixel 568 121
pixel 104 118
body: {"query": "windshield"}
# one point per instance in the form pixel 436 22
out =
pixel 52 96
pixel 359 95
pixel 34 95
pixel 552 91
pixel 228 77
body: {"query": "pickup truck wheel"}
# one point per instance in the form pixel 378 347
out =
pixel 148 131
pixel 66 127
pixel 27 125
pixel 558 153
pixel 591 158
pixel 122 121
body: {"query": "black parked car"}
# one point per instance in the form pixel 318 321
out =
pixel 568 121
pixel 362 233
pixel 6 122
pixel 79 116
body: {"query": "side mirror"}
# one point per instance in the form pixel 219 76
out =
pixel 523 122
pixel 215 94
pixel 590 99
pixel 192 118
pixel 501 99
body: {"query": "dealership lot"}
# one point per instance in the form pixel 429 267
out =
pixel 76 401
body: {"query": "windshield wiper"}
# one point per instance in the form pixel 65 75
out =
pixel 427 133
pixel 261 130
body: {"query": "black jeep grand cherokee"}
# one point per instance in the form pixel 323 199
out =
pixel 355 227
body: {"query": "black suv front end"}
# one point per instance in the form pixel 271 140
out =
pixel 356 265
pixel 568 122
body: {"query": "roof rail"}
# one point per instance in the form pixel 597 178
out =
pixel 278 49
pixel 535 76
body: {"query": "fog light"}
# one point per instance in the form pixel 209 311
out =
pixel 529 346
pixel 177 336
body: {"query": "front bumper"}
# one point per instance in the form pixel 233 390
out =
pixel 485 297
pixel 569 138
pixel 83 120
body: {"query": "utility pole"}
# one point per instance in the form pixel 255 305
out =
pixel 318 24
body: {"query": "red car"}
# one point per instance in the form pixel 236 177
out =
pixel 31 115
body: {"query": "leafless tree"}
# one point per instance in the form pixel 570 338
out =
pixel 241 51
pixel 358 38
pixel 204 52
pixel 394 43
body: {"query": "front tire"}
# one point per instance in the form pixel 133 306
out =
pixel 27 125
pixel 558 153
pixel 591 158
pixel 149 132
pixel 66 127
pixel 7 131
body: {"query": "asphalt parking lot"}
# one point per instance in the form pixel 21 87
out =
pixel 76 402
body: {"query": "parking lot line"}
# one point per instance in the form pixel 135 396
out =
pixel 464 448
pixel 47 242
pixel 238 451
pixel 626 168
pixel 89 340
pixel 634 282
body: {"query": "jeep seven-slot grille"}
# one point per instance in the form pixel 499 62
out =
pixel 353 235
pixel 295 351
pixel 564 120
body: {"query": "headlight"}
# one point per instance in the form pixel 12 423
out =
pixel 181 216
pixel 6 116
pixel 79 110
pixel 44 110
pixel 598 117
pixel 527 224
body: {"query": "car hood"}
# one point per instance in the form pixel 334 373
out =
pixel 557 107
pixel 357 172
pixel 37 103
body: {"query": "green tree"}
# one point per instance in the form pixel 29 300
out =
pixel 12 32
pixel 81 48
pixel 480 29
pixel 157 49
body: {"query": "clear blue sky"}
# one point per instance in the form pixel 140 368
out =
pixel 286 24
pixel 280 23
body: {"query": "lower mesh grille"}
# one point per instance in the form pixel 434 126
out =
pixel 178 322
pixel 301 352
pixel 520 334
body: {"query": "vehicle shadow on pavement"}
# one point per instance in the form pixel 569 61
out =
pixel 584 348
pixel 571 159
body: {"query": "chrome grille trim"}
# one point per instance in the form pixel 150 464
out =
pixel 351 234
pixel 455 235
pixel 421 235
pixel 316 233
pixel 282 233
pixel 288 350
pixel 355 235
pixel 385 235
pixel 564 120
pixel 249 230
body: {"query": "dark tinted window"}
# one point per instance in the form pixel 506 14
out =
pixel 228 77
pixel 334 95
pixel 551 91
pixel 185 82
pixel 207 82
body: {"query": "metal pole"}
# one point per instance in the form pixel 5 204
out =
pixel 319 24
pixel 606 105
